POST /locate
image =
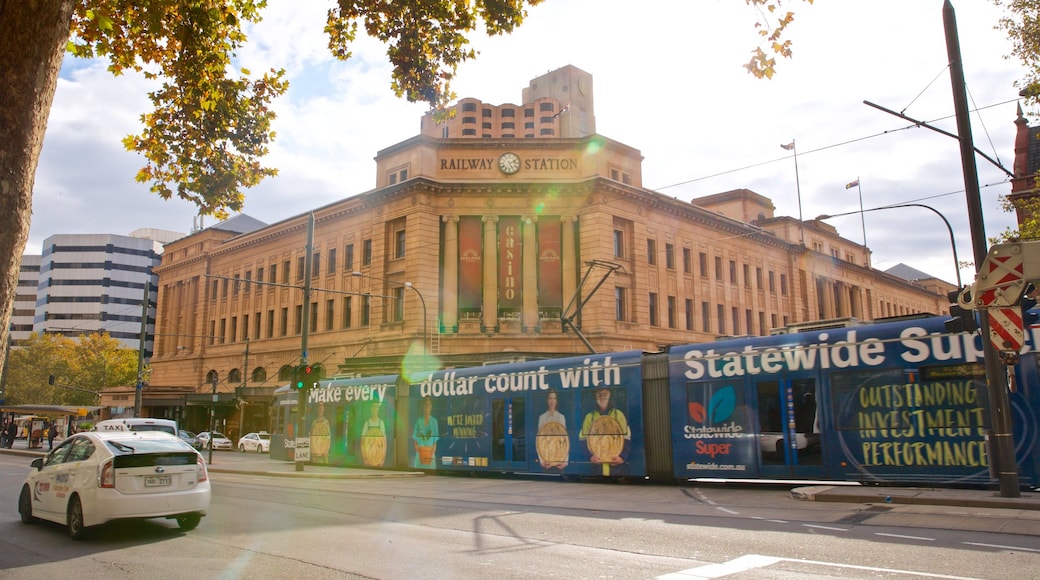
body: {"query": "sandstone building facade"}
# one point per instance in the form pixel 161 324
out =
pixel 507 232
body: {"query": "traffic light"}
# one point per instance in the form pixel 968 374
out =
pixel 963 319
pixel 304 376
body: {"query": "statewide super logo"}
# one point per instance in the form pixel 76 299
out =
pixel 713 428
pixel 720 407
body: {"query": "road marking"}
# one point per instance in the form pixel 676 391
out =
pixel 728 511
pixel 1020 549
pixel 905 537
pixel 754 561
pixel 825 527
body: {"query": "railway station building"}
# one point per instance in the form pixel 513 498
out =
pixel 505 233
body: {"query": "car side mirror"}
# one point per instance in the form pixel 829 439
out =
pixel 37 463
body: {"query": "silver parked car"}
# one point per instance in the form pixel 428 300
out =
pixel 219 440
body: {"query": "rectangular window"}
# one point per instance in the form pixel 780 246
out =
pixel 687 261
pixel 758 278
pixel 772 318
pixel 762 323
pixel 735 313
pixel 747 322
pixel 689 314
pixel 348 258
pixel 720 313
pixel 653 309
pixel 732 271
pixel 285 272
pixel 215 291
pixel 212 332
pixel 619 244
pixel 259 278
pixel 332 261
pixel 330 312
pixel 747 276
pixel 719 276
pixel 256 326
pixel 298 320
pixel 705 317
pixel 284 326
pixel 314 317
pixel 224 288
pixel 300 268
pixel 671 311
pixel 399 238
pixel 348 311
pixel 223 330
pixel 783 284
pixel 398 298
pixel 249 281
pixel 236 285
pixel 366 310
pixel 620 304
pixel 702 260
pixel 772 281
pixel 272 274
pixel 669 256
pixel 315 264
pixel 270 324
pixel 651 251
pixel 366 253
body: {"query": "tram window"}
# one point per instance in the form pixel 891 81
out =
pixel 519 439
pixel 498 430
pixel 508 430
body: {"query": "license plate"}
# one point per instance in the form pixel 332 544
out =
pixel 158 480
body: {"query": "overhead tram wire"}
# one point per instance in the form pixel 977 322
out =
pixel 824 148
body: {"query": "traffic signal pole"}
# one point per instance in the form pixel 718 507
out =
pixel 1002 449
pixel 301 400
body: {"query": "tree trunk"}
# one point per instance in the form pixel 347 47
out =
pixel 33 35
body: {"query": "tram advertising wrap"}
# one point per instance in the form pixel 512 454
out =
pixel 576 416
pixel 891 402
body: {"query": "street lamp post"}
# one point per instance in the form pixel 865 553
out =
pixel 422 302
pixel 953 243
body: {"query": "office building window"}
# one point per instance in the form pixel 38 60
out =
pixel 620 303
pixel 671 311
pixel 652 300
pixel 651 251
pixel 366 253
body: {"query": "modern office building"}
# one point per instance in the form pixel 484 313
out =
pixel 25 299
pixel 508 232
pixel 97 283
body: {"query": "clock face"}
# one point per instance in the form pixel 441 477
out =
pixel 509 163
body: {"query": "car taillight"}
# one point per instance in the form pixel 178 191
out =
pixel 107 476
pixel 200 468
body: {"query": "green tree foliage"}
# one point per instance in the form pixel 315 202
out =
pixel 51 369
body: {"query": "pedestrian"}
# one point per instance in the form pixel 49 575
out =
pixel 52 430
pixel 12 433
pixel 3 434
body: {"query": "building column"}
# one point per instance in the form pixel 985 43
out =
pixel 568 259
pixel 450 279
pixel 490 271
pixel 529 279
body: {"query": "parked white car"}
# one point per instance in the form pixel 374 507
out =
pixel 96 477
pixel 259 442
pixel 220 441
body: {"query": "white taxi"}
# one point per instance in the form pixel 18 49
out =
pixel 259 442
pixel 99 476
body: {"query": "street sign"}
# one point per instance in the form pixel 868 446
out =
pixel 303 449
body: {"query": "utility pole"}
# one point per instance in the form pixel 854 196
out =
pixel 301 398
pixel 1002 444
pixel 140 351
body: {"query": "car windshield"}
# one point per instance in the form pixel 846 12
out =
pixel 263 436
pixel 147 445
pixel 218 435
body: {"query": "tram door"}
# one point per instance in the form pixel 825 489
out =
pixel 788 427
pixel 508 433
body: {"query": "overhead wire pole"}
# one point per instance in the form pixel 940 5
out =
pixel 1002 447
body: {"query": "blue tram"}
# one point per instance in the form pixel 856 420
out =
pixel 901 402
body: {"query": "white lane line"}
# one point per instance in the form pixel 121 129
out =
pixel 727 510
pixel 753 561
pixel 824 527
pixel 741 564
pixel 922 538
pixel 1018 548
pixel 769 520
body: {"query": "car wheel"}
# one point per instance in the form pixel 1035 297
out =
pixel 241 448
pixel 259 448
pixel 188 522
pixel 74 519
pixel 25 506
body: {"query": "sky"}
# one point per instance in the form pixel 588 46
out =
pixel 648 59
